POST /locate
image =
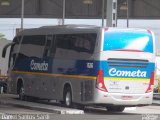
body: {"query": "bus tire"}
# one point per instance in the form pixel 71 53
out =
pixel 80 106
pixel 115 108
pixel 68 97
pixel 21 93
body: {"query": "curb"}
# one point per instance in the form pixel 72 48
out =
pixel 45 108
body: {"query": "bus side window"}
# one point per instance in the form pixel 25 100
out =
pixel 53 47
pixel 14 51
pixel 64 46
pixel 85 42
pixel 32 47
pixel 49 49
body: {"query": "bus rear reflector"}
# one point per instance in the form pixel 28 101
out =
pixel 149 89
pixel 100 81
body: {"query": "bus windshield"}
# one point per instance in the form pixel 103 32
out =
pixel 128 40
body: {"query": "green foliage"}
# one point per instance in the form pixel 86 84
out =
pixel 1 35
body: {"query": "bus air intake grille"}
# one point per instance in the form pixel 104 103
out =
pixel 127 63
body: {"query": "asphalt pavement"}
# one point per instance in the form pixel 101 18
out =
pixel 45 106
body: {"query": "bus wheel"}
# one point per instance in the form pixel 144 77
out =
pixel 68 97
pixel 80 106
pixel 21 93
pixel 115 108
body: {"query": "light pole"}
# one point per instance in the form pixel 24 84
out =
pixel 125 7
pixel 64 11
pixel 127 14
pixel 102 13
pixel 22 14
pixel 88 3
pixel 111 13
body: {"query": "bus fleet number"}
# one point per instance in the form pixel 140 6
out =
pixel 90 65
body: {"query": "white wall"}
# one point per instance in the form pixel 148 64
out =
pixel 3 61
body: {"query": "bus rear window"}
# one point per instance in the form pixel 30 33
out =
pixel 128 40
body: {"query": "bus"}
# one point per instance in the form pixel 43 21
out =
pixel 84 65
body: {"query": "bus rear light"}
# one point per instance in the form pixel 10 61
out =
pixel 152 79
pixel 149 89
pixel 100 81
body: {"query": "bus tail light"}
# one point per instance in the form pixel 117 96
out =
pixel 151 83
pixel 100 81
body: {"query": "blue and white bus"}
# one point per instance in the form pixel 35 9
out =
pixel 87 65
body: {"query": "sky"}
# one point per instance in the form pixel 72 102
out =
pixel 8 26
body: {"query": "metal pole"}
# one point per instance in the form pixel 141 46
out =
pixel 127 14
pixel 102 13
pixel 64 10
pixel 22 14
pixel 111 11
pixel 114 13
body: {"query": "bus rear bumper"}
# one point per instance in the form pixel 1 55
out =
pixel 123 99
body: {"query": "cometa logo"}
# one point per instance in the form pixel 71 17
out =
pixel 118 73
pixel 39 66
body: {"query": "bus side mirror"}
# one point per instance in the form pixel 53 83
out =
pixel 5 49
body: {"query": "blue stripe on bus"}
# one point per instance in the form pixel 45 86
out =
pixel 83 67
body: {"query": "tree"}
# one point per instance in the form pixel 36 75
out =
pixel 1 35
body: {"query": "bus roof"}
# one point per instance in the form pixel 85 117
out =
pixel 57 29
pixel 60 29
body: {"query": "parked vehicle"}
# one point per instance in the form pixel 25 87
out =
pixel 87 65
